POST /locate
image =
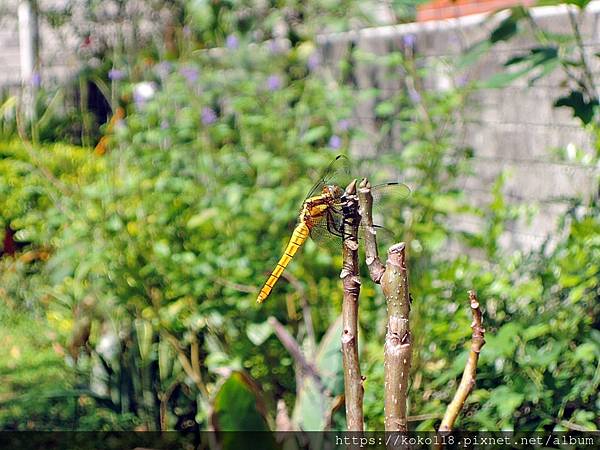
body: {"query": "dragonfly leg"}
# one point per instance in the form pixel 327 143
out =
pixel 332 227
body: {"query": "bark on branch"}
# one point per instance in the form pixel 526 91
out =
pixel 353 380
pixel 376 268
pixel 468 379
pixel 398 341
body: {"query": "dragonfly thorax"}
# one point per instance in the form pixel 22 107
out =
pixel 316 207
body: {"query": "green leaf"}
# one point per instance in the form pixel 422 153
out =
pixel 503 343
pixel 239 405
pixel 312 406
pixel 473 55
pixel 505 30
pixel 161 248
pixel 385 109
pixel 503 79
pixel 509 26
pixel 536 331
pixel 506 401
pixel 144 338
pixel 536 56
pixel 315 134
pixel 582 108
pixel 447 203
pixel 258 333
pixel 579 3
pixel 587 352
pixel 543 59
pixel 200 219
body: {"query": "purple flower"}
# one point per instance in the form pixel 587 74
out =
pixel 343 125
pixel 189 73
pixel 409 40
pixel 163 68
pixel 208 116
pixel 274 82
pixel 414 96
pixel 164 124
pixel 462 81
pixel 36 79
pixel 314 60
pixel 232 42
pixel 335 141
pixel 116 74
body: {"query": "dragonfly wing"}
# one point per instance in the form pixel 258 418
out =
pixel 339 173
pixel 392 191
pixel 326 232
pixel 383 235
pixel 388 199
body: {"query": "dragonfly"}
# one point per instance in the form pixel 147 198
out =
pixel 321 215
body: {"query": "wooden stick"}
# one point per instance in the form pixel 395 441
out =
pixel 365 198
pixel 398 342
pixel 353 380
pixel 468 379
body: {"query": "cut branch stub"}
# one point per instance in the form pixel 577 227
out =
pixel 353 381
pixel 398 342
pixel 468 379
pixel 376 268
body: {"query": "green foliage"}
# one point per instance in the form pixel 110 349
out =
pixel 312 410
pixel 509 26
pixel 564 52
pixel 582 108
pixel 38 391
pixel 158 249
pixel 38 181
pixel 161 240
pixel 247 414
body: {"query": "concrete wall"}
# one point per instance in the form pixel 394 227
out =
pixel 9 44
pixel 62 48
pixel 512 130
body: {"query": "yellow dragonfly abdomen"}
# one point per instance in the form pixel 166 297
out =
pixel 298 238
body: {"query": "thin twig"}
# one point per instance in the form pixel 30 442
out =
pixel 185 363
pixel 365 198
pixel 306 314
pixel 420 417
pixel 195 356
pixel 398 341
pixel 164 403
pixel 353 380
pixel 574 426
pixel 283 423
pixel 235 286
pixel 584 62
pixel 294 350
pixel 468 379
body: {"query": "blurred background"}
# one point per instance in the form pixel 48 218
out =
pixel 154 156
